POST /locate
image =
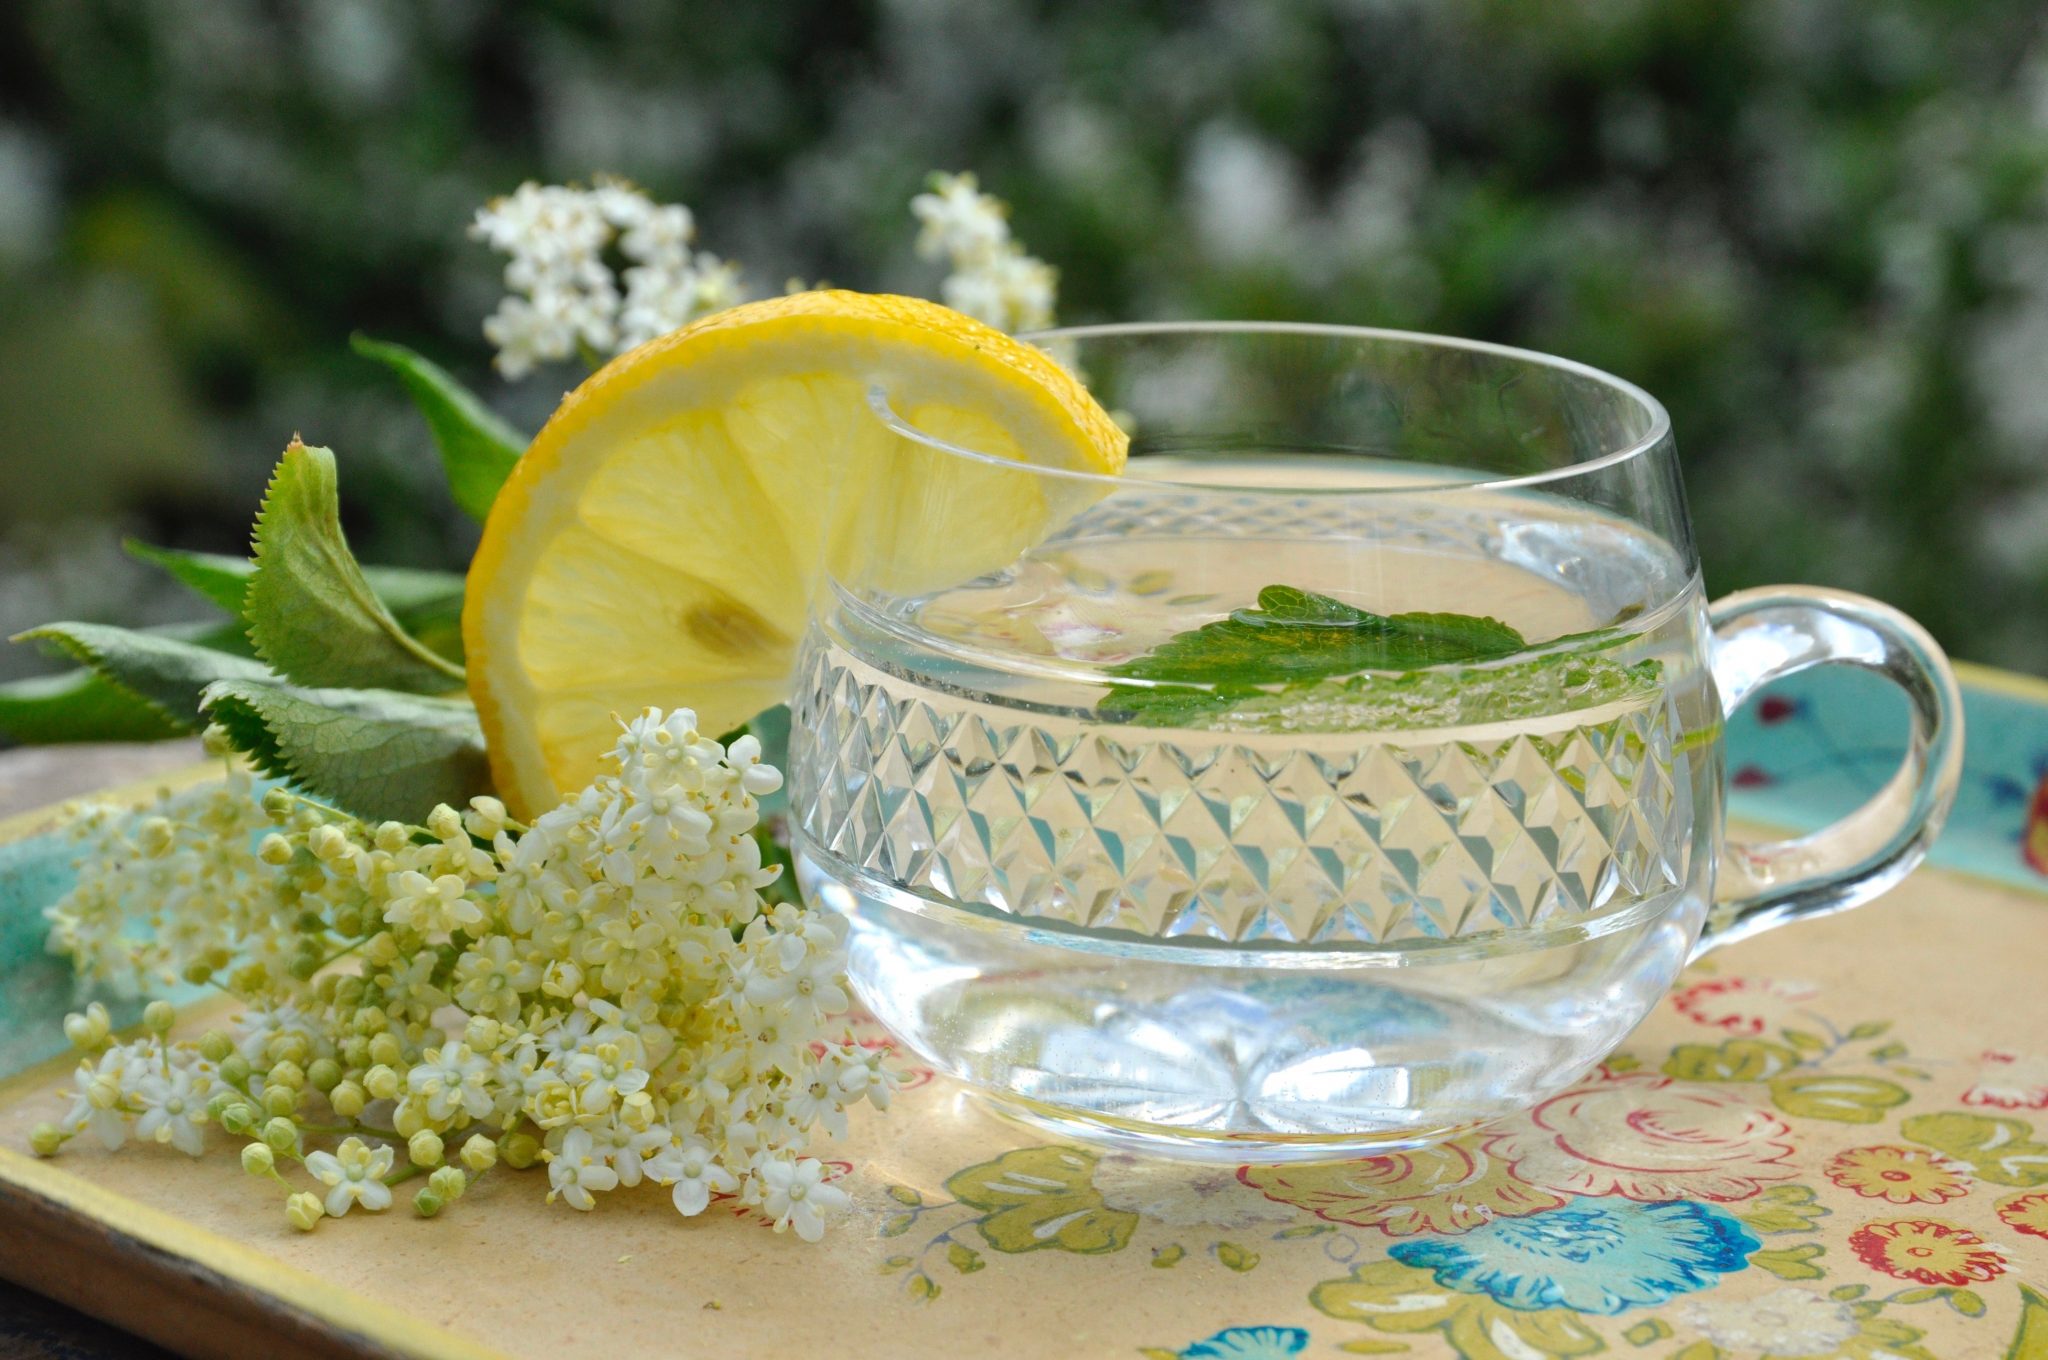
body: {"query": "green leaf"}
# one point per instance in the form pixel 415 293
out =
pixel 1845 1293
pixel 895 1263
pixel 167 672
pixel 477 448
pixel 1790 1263
pixel 376 753
pixel 427 603
pixel 80 705
pixel 922 1288
pixel 214 576
pixel 964 1259
pixel 1169 1256
pixel 1968 1302
pixel 903 1194
pixel 1303 1230
pixel 1869 1029
pixel 311 611
pixel 1299 635
pixel 1223 675
pixel 896 1225
pixel 1844 1099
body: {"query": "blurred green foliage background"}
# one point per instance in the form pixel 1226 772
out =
pixel 1818 229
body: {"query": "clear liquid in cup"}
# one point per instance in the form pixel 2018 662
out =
pixel 1356 913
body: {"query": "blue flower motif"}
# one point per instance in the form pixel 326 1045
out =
pixel 1250 1343
pixel 1593 1255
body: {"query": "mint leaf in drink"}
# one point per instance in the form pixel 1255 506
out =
pixel 311 611
pixel 1300 661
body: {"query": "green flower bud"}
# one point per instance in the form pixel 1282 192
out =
pixel 323 1075
pixel 444 822
pixel 234 1069
pixel 156 835
pixel 304 1211
pixel 385 1050
pixel 274 849
pixel 277 805
pixel 215 1045
pixel 448 1183
pixel 82 1032
pixel 258 1160
pixel 520 1150
pixel 239 1117
pixel 285 1072
pixel 381 1082
pixel 392 837
pixel 347 1099
pixel 281 1134
pixel 216 742
pixel 45 1139
pixel 482 1033
pixel 408 1119
pixel 159 1016
pixel 426 1203
pixel 479 1154
pixel 198 972
pixel 280 1101
pixel 425 1148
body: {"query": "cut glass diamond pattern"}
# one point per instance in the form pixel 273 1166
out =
pixel 1175 835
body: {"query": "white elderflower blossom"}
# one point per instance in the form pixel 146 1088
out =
pixel 563 295
pixel 992 279
pixel 605 990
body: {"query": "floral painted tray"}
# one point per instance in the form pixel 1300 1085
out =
pixel 1832 1140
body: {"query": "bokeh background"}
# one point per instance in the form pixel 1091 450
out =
pixel 1818 229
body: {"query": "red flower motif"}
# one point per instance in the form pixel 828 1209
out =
pixel 1740 1005
pixel 2026 1213
pixel 2010 1081
pixel 1646 1137
pixel 1926 1251
pixel 1752 777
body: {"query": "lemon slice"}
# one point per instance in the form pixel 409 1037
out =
pixel 660 540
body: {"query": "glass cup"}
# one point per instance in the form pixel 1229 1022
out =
pixel 1343 775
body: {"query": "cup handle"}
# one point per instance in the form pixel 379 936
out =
pixel 1772 632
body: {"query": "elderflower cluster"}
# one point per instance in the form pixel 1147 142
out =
pixel 991 277
pixel 606 991
pixel 563 297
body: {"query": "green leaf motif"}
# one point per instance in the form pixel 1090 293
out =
pixel 166 672
pixel 896 1225
pixel 1643 1333
pixel 964 1259
pixel 1730 1060
pixel 1790 1263
pixel 2002 1151
pixel 1968 1302
pixel 2030 1342
pixel 1783 1209
pixel 1169 1256
pixel 903 1194
pixel 477 448
pixel 1805 1042
pixel 1043 1198
pixel 1403 1301
pixel 311 612
pixel 1843 1099
pixel 375 753
pixel 1236 1257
